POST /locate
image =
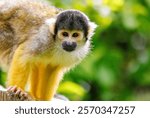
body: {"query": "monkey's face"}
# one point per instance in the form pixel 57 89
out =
pixel 71 46
pixel 72 32
pixel 70 40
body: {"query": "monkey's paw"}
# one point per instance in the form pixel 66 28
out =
pixel 17 94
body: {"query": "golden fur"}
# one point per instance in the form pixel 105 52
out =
pixel 27 49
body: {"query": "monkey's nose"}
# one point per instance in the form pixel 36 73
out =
pixel 69 46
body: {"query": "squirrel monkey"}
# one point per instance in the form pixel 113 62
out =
pixel 39 43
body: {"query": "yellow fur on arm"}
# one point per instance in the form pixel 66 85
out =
pixel 47 79
pixel 53 82
pixel 19 70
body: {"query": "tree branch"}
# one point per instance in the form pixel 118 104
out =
pixel 10 96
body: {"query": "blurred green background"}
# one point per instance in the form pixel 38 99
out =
pixel 118 67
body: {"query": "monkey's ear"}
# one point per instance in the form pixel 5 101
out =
pixel 51 23
pixel 92 27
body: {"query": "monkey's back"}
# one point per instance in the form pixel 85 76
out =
pixel 18 20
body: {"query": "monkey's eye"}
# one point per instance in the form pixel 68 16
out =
pixel 65 34
pixel 75 35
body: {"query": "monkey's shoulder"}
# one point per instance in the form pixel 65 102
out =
pixel 26 9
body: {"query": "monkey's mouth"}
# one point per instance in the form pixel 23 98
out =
pixel 69 46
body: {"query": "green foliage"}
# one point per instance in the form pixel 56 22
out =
pixel 2 78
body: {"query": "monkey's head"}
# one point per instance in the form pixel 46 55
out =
pixel 72 31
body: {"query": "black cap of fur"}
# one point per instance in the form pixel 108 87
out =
pixel 72 20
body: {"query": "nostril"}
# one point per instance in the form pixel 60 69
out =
pixel 69 46
pixel 74 44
